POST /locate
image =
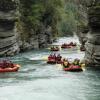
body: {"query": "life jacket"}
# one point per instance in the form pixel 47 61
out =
pixel 50 57
pixel 76 63
pixel 58 58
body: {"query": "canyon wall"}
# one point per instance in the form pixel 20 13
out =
pixel 16 35
pixel 92 55
pixel 8 36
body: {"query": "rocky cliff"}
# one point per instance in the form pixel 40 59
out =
pixel 82 26
pixel 8 35
pixel 93 44
pixel 34 31
pixel 16 31
pixel 89 32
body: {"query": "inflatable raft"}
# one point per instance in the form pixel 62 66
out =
pixel 10 69
pixel 73 68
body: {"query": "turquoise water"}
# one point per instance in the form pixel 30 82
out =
pixel 37 80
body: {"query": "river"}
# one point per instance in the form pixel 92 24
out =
pixel 37 80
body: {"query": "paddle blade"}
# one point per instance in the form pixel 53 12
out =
pixel 59 66
pixel 45 58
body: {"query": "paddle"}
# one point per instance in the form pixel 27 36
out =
pixel 45 58
pixel 83 67
pixel 59 66
pixel 48 48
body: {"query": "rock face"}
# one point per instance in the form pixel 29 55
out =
pixel 93 44
pixel 82 29
pixel 28 39
pixel 32 36
pixel 8 40
pixel 15 34
pixel 83 36
pixel 89 35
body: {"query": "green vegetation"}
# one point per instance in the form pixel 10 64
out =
pixel 68 25
pixel 60 15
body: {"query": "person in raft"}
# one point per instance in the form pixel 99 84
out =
pixel 6 64
pixel 66 63
pixel 76 62
pixel 58 58
pixel 52 57
pixel 52 47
